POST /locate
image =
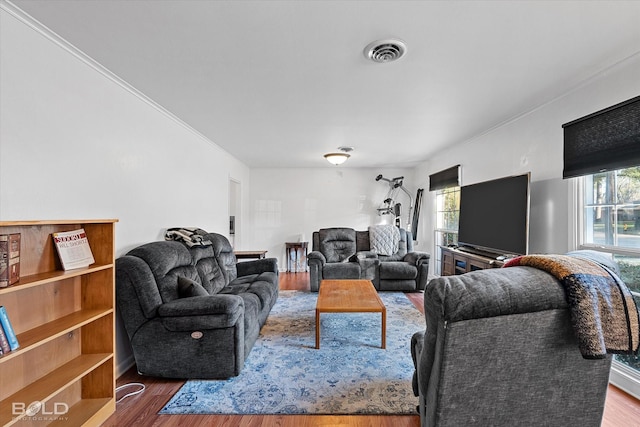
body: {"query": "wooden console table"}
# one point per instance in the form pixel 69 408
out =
pixel 294 250
pixel 455 261
pixel 250 254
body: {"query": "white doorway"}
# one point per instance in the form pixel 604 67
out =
pixel 235 214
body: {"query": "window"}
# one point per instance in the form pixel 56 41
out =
pixel 447 214
pixel 610 222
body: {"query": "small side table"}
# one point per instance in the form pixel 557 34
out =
pixel 250 254
pixel 296 256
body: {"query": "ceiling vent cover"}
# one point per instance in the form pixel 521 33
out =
pixel 385 50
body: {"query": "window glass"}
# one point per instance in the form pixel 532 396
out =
pixel 630 274
pixel 447 215
pixel 611 223
pixel 611 207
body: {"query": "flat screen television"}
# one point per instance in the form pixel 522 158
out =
pixel 494 216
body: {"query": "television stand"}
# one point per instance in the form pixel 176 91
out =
pixel 474 251
pixel 457 261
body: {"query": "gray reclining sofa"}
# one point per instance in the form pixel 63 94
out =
pixel 344 253
pixel 193 312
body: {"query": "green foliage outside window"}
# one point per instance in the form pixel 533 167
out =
pixel 630 274
pixel 447 216
pixel 611 219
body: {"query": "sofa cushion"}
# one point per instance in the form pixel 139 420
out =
pixel 167 260
pixel 163 256
pixel 250 284
pixel 223 253
pixel 168 285
pixel 259 290
pixel 341 270
pixel 337 244
pixel 135 282
pixel 190 288
pixel 211 274
pixel 397 270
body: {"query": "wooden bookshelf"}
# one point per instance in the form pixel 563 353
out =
pixel 65 322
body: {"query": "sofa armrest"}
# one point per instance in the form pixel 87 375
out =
pixel 316 261
pixel 316 257
pixel 416 258
pixel 258 266
pixel 206 312
pixel 417 341
pixel 196 306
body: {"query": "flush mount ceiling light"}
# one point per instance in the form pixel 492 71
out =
pixel 339 158
pixel 388 50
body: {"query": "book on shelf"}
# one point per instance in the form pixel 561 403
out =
pixel 73 249
pixel 4 342
pixel 9 259
pixel 8 329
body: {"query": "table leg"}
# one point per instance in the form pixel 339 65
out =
pixel 317 329
pixel 384 328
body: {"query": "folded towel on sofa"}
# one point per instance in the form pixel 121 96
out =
pixel 604 314
pixel 384 239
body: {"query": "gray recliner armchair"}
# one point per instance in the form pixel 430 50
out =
pixel 344 253
pixel 499 349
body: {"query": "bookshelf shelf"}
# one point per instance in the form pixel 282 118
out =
pixel 52 330
pixel 45 389
pixel 64 322
pixel 51 276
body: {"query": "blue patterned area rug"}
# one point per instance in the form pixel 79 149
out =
pixel 285 374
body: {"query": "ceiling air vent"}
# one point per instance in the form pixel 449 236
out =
pixel 385 50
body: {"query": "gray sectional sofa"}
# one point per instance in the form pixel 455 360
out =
pixel 344 253
pixel 193 312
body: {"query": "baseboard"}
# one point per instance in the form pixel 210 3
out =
pixel 124 365
pixel 625 379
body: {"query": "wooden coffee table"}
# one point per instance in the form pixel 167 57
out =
pixel 349 296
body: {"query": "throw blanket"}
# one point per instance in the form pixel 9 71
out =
pixel 384 239
pixel 603 313
pixel 190 236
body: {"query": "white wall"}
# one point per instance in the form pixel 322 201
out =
pixel 534 143
pixel 289 203
pixel 75 144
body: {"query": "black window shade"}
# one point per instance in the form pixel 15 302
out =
pixel 605 140
pixel 443 179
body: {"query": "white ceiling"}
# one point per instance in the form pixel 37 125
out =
pixel 280 83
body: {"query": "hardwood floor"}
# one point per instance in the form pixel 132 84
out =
pixel 621 409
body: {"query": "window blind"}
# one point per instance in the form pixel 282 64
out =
pixel 605 140
pixel 446 178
